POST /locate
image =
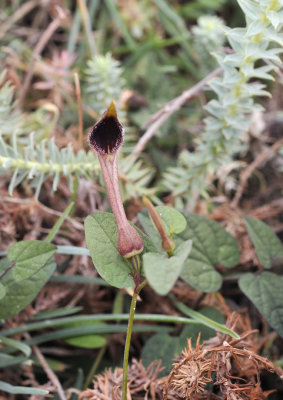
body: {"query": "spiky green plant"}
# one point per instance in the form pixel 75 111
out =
pixel 254 54
pixel 208 37
pixel 28 157
pixel 11 120
pixel 103 82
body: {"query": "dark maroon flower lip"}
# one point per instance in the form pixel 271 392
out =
pixel 106 136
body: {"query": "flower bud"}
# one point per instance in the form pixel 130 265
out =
pixel 129 242
pixel 167 243
pixel 105 138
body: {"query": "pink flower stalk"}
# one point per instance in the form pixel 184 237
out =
pixel 105 138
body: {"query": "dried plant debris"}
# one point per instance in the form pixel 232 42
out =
pixel 190 374
pixel 221 369
pixel 231 366
pixel 142 383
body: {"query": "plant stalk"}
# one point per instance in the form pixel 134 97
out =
pixel 129 242
pixel 129 335
pixel 94 366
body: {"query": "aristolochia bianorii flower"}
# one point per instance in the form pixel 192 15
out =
pixel 105 138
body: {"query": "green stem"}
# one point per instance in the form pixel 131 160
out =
pixel 94 366
pixel 127 344
pixel 135 261
pixel 129 335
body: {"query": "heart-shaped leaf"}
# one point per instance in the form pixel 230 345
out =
pixel 173 220
pixel 101 239
pixel 265 291
pixel 267 244
pixel 161 271
pixel 212 245
pixel 30 256
pixel 201 276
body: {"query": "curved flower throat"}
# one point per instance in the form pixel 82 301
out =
pixel 106 135
pixel 105 138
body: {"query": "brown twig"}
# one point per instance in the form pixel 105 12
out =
pixel 265 211
pixel 34 203
pixel 80 109
pixel 168 109
pixel 24 9
pixel 53 378
pixel 52 27
pixel 250 169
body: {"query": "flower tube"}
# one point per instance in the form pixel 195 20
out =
pixel 105 138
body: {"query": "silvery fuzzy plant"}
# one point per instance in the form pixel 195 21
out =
pixel 228 120
pixel 208 37
pixel 123 255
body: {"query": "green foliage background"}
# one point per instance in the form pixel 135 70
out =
pixel 141 55
pixel 155 50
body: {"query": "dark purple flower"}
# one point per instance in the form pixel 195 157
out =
pixel 105 138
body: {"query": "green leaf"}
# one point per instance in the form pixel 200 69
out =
pixel 201 276
pixel 101 239
pixel 165 347
pixel 161 271
pixel 86 341
pixel 21 293
pixel 73 250
pixel 6 387
pixel 265 291
pixel 16 344
pixel 4 265
pixel 206 313
pixel 59 223
pixel 158 318
pixel 210 322
pixel 107 329
pixel 29 256
pixel 266 243
pixel 174 221
pixel 212 245
pixel 162 347
pixel 2 291
pixel 149 228
pixel 6 360
pixel 58 312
